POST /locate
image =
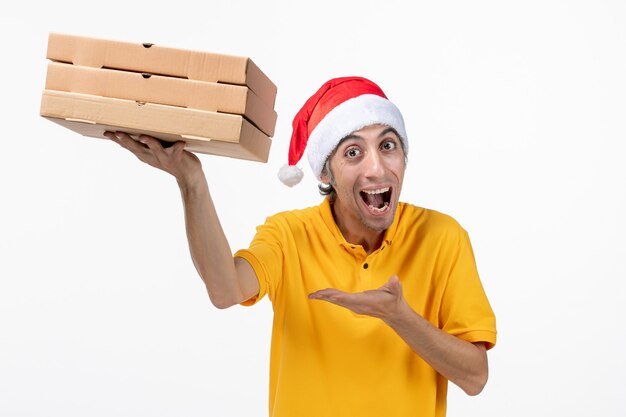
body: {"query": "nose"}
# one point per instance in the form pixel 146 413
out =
pixel 373 165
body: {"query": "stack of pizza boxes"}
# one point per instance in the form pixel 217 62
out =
pixel 218 104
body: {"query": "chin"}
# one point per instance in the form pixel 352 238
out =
pixel 379 223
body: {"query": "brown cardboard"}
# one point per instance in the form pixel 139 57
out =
pixel 203 131
pixel 159 60
pixel 146 88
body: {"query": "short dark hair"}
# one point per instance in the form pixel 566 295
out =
pixel 327 189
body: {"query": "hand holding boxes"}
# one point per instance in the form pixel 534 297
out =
pixel 218 104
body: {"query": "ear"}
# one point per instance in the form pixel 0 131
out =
pixel 325 176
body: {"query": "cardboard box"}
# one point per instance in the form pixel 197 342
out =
pixel 203 131
pixel 158 60
pixel 147 88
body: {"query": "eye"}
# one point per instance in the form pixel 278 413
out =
pixel 352 152
pixel 389 145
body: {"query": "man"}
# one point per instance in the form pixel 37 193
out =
pixel 377 303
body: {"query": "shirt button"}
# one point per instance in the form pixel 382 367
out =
pixel 365 265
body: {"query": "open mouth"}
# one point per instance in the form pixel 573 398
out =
pixel 377 200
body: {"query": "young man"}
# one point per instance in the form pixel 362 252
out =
pixel 377 303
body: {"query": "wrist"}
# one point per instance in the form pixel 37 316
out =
pixel 192 183
pixel 400 315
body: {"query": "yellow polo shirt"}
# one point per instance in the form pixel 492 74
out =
pixel 328 361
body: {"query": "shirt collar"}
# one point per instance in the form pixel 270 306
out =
pixel 329 220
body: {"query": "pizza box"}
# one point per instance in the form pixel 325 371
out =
pixel 157 89
pixel 161 60
pixel 203 131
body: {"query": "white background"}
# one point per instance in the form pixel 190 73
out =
pixel 515 112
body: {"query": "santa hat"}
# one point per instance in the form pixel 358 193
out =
pixel 341 106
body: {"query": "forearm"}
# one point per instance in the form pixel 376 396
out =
pixel 227 282
pixel 463 363
pixel 208 245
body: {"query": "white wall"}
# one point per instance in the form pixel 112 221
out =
pixel 515 112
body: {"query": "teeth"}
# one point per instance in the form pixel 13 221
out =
pixel 380 210
pixel 379 191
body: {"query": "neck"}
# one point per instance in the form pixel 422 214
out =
pixel 355 232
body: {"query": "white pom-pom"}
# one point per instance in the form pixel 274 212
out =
pixel 290 175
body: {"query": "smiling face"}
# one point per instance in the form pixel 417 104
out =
pixel 367 172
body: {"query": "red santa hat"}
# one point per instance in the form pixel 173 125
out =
pixel 341 106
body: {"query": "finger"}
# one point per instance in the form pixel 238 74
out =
pixel 119 139
pixel 333 299
pixel 178 148
pixel 175 151
pixel 337 297
pixel 161 152
pixel 113 137
pixel 165 144
pixel 140 146
pixel 110 135
pixel 324 294
pixel 152 143
pixel 141 151
pixel 128 142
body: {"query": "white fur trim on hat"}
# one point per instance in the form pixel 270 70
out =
pixel 348 117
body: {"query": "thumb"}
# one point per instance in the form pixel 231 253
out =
pixel 393 285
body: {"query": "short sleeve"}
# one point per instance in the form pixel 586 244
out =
pixel 465 310
pixel 265 255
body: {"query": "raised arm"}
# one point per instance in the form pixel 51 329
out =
pixel 228 280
